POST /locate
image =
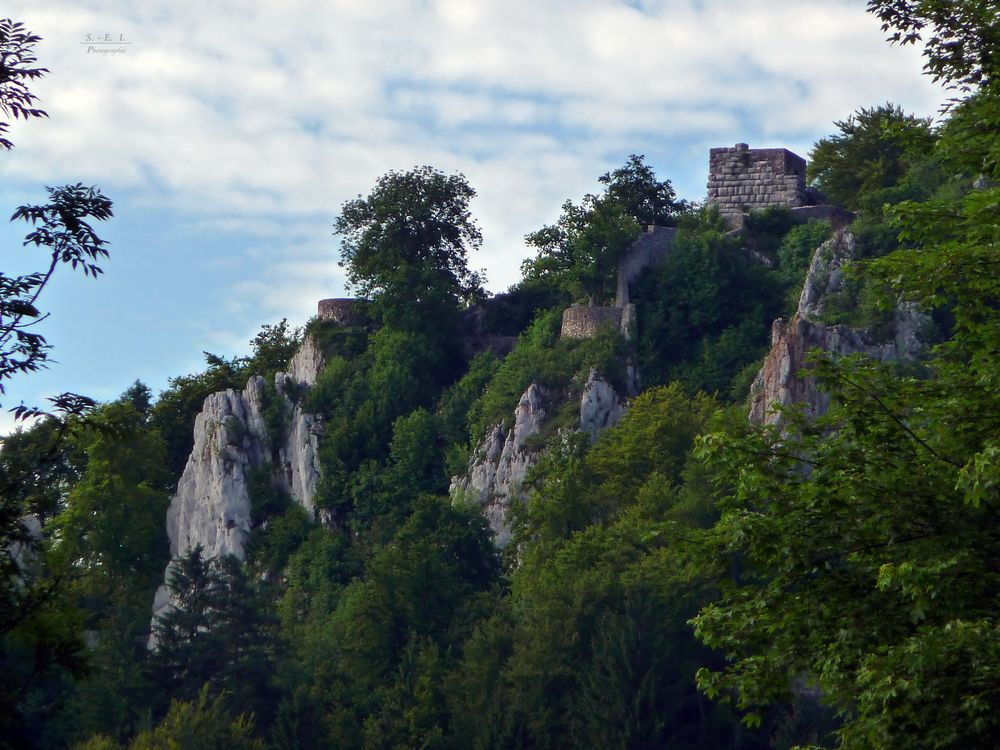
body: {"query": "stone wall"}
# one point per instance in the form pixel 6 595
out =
pixel 743 179
pixel 581 322
pixel 346 311
pixel 647 251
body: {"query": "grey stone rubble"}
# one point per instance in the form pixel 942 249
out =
pixel 212 505
pixel 502 458
pixel 777 383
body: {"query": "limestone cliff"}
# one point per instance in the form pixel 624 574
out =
pixel 232 439
pixel 502 458
pixel 777 382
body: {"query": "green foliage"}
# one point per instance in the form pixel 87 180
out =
pixel 38 467
pixel 762 231
pixel 960 38
pixel 361 399
pixel 272 348
pixel 859 550
pixel 557 364
pixel 281 524
pixel 594 650
pixel 335 340
pixel 203 723
pixel 873 151
pixel 706 313
pixel 389 638
pixel 635 188
pixel 967 144
pixel 275 410
pixel 105 552
pixel 795 253
pixel 406 246
pixel 579 254
pixel 112 526
pixel 454 406
pixel 219 634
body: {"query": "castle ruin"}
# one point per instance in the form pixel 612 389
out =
pixel 740 180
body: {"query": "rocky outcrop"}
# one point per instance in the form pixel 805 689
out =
pixel 502 458
pixel 296 460
pixel 306 364
pixel 501 461
pixel 777 383
pixel 600 405
pixel 232 439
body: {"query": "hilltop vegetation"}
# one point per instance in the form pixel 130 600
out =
pixel 686 580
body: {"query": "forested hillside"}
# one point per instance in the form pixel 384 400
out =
pixel 671 575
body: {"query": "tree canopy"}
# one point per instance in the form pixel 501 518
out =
pixel 856 552
pixel 580 252
pixel 961 39
pixel 406 245
pixel 875 149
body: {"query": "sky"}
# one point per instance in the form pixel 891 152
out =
pixel 228 134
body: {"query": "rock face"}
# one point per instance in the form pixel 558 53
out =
pixel 306 364
pixel 600 406
pixel 776 383
pixel 502 458
pixel 231 440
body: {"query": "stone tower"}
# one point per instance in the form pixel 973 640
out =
pixel 743 179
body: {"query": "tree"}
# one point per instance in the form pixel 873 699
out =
pixel 406 245
pixel 17 61
pixel 202 723
pixel 219 633
pixel 859 551
pixel 580 253
pixel 273 348
pixel 39 632
pixel 61 227
pixel 961 39
pixel 112 525
pixel 635 188
pixel 874 150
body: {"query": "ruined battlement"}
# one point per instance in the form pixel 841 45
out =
pixel 343 310
pixel 648 251
pixel 579 322
pixel 743 179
